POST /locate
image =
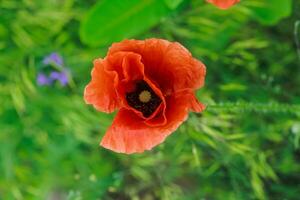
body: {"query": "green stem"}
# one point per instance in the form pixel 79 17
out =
pixel 243 107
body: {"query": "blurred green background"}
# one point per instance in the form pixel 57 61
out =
pixel 244 146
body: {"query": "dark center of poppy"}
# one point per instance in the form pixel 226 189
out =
pixel 143 99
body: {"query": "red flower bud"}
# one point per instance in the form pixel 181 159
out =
pixel 223 4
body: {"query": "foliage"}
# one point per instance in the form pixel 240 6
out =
pixel 112 21
pixel 244 146
pixel 269 11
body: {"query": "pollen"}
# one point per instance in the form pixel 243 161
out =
pixel 145 96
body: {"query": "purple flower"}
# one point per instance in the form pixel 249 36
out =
pixel 42 79
pixel 53 58
pixel 62 77
pixel 57 73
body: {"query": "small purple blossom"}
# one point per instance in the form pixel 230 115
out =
pixel 53 58
pixel 42 79
pixel 57 73
pixel 62 77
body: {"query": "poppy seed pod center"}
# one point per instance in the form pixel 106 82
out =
pixel 145 96
pixel 143 99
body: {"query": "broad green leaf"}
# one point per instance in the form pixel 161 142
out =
pixel 173 3
pixel 269 12
pixel 109 21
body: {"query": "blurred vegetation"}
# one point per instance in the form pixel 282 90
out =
pixel 246 145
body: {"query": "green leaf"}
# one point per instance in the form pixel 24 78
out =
pixel 173 3
pixel 109 21
pixel 270 12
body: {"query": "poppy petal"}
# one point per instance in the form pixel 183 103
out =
pixel 100 92
pixel 196 106
pixel 184 71
pixel 129 134
pixel 223 4
pixel 168 64
pixel 129 66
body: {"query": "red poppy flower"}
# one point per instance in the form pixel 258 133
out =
pixel 223 4
pixel 151 83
